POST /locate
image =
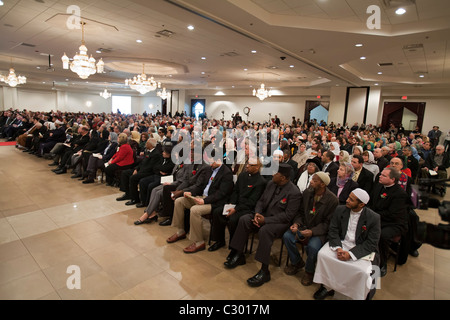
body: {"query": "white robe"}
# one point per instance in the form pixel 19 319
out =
pixel 350 278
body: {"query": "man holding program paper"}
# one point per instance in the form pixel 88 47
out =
pixel 216 193
pixel 248 189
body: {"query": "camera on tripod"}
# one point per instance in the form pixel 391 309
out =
pixel 436 235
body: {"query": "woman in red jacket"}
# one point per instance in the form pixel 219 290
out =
pixel 123 159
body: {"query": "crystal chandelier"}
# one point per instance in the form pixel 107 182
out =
pixel 141 84
pixel 12 79
pixel 82 64
pixel 262 93
pixel 163 94
pixel 105 94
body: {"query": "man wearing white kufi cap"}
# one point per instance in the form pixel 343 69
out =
pixel 344 264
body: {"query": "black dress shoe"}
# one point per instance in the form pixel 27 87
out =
pixel 414 253
pixel 383 271
pixel 130 203
pixel 231 254
pixel 76 176
pixel 216 246
pixel 57 169
pixel 53 164
pixel 88 181
pixel 259 279
pixel 237 260
pixel 148 220
pixel 140 205
pixel 166 222
pixel 62 171
pixel 123 198
pixel 322 293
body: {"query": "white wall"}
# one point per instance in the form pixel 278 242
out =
pixel 337 105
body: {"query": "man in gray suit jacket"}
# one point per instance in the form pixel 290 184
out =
pixel 353 236
pixel 274 212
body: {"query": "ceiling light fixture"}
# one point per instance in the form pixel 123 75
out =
pixel 363 58
pixel 105 94
pixel 400 11
pixel 12 79
pixel 139 41
pixel 262 93
pixel 82 64
pixel 190 27
pixel 141 84
pixel 163 94
pixel 358 45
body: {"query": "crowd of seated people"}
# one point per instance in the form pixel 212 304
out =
pixel 293 188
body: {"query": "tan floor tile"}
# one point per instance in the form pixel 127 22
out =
pixel 12 250
pixel 7 233
pixel 98 286
pixel 16 268
pixel 29 224
pixel 52 248
pixel 30 287
pixel 132 272
pixel 168 288
pixel 113 254
pixel 59 273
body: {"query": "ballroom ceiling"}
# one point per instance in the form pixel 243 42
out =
pixel 235 44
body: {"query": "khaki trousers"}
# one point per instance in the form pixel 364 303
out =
pixel 197 211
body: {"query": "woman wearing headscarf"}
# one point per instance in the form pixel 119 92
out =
pixel 343 184
pixel 334 147
pixel 312 166
pixel 97 160
pixel 344 157
pixel 370 163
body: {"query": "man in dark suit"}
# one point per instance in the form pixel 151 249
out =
pixel 194 181
pixel 216 193
pixel 329 165
pixel 390 201
pixel 77 144
pixel 363 176
pixel 273 214
pixel 382 162
pixel 147 184
pixel 310 226
pixel 247 190
pixel 354 233
pixel 129 179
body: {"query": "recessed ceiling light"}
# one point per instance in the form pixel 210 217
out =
pixel 203 58
pixel 190 27
pixel 291 66
pixel 376 84
pixel 139 41
pixel 363 58
pixel 98 51
pixel 422 76
pixel 1 2
pixel 400 11
pixel 358 45
pixel 203 72
pixel 38 67
pixel 245 69
pixel 253 51
pixel 380 72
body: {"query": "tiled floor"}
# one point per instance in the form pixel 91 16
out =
pixel 49 222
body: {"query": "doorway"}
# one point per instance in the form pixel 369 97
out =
pixel 407 114
pixel 198 108
pixel 317 110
